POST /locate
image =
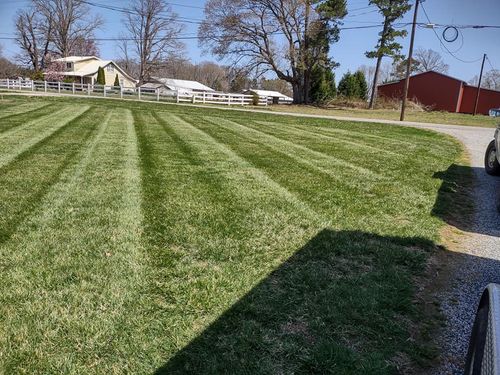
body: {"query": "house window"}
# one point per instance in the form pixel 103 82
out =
pixel 69 65
pixel 110 68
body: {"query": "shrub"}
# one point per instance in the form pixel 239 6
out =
pixel 255 99
pixel 37 76
pixel 101 79
pixel 117 81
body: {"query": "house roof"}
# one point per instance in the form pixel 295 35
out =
pixel 423 73
pixel 269 93
pixel 181 84
pixel 76 58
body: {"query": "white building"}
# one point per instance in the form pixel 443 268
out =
pixel 273 97
pixel 180 85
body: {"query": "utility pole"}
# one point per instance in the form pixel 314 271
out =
pixel 408 63
pixel 479 87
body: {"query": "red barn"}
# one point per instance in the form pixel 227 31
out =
pixel 442 93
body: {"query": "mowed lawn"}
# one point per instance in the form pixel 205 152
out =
pixel 143 238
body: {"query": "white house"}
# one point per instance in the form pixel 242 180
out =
pixel 84 69
pixel 273 97
pixel 180 85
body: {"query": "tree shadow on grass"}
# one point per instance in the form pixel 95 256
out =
pixel 343 303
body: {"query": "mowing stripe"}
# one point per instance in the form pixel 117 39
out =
pixel 399 137
pixel 22 118
pixel 300 151
pixel 22 108
pixel 23 182
pixel 21 138
pixel 314 135
pixel 256 173
pixel 84 243
pixel 322 166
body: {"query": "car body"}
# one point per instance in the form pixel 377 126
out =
pixel 492 156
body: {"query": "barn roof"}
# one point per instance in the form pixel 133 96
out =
pixel 423 73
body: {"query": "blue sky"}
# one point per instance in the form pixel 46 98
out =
pixel 349 51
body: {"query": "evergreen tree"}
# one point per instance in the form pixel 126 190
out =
pixel 117 81
pixel 362 86
pixel 323 86
pixel 348 86
pixel 391 10
pixel 101 79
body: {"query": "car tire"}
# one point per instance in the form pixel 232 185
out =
pixel 491 164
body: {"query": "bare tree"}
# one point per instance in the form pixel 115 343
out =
pixel 276 85
pixel 490 80
pixel 85 47
pixel 153 28
pixel 288 37
pixel 7 68
pixel 385 74
pixel 33 35
pixel 428 60
pixel 70 21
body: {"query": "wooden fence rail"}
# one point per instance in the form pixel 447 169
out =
pixel 138 93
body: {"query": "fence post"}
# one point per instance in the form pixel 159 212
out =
pixel 121 92
pixel 177 96
pixel 104 91
pixel 229 99
pixel 193 100
pixel 88 89
pixel 45 86
pixel 32 85
pixel 204 97
pixel 139 91
pixel 59 87
pixel 7 83
pixel 73 87
pixel 157 95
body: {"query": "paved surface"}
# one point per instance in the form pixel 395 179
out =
pixel 481 248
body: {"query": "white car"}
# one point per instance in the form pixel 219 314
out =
pixel 492 157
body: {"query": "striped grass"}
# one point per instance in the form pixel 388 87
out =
pixel 137 238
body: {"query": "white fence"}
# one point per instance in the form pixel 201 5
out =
pixel 138 93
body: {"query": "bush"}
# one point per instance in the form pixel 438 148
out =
pixel 37 76
pixel 117 81
pixel 101 79
pixel 255 99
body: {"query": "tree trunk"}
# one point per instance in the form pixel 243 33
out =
pixel 298 97
pixel 375 79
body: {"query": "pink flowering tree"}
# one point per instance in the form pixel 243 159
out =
pixel 54 71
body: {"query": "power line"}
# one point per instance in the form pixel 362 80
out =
pixel 196 37
pixel 441 42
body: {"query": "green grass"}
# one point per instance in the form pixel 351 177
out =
pixel 437 117
pixel 150 238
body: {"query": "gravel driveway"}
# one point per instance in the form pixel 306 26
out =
pixel 459 303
